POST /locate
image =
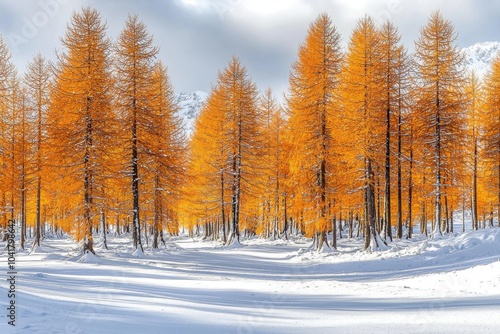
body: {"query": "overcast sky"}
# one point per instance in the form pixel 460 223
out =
pixel 198 37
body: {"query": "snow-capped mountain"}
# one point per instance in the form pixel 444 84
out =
pixel 480 56
pixel 190 105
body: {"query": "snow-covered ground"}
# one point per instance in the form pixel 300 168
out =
pixel 451 285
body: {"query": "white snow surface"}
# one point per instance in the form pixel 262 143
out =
pixel 480 56
pixel 420 285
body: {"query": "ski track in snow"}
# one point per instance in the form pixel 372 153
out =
pixel 194 286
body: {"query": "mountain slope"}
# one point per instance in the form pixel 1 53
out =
pixel 480 56
pixel 190 105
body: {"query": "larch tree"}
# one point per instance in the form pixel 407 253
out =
pixel 24 147
pixel 311 105
pixel 474 93
pixel 440 82
pixel 134 66
pixel 365 110
pixel 80 115
pixel 7 70
pixel 37 83
pixel 395 72
pixel 492 130
pixel 224 152
pixel 272 164
pixel 241 136
pixel 208 178
pixel 166 147
pixel 12 154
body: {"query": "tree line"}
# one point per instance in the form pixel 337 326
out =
pixel 371 139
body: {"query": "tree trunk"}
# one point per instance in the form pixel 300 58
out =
pixel 437 159
pixel 23 212
pixel 370 223
pixel 423 220
pixel 387 200
pixel 445 228
pixel 88 180
pixel 498 197
pixel 136 227
pixel 235 204
pixel 379 223
pixel 103 229
pixel 117 228
pixel 285 219
pixel 451 221
pixel 351 230
pixel 334 232
pixel 38 172
pixel 474 189
pixel 399 181
pixel 156 212
pixel 340 225
pixel 358 226
pixel 410 190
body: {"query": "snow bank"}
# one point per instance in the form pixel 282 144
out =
pixel 90 257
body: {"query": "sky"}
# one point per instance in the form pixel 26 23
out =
pixel 198 37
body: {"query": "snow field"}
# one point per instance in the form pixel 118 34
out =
pixel 192 286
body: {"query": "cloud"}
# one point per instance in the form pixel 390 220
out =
pixel 198 37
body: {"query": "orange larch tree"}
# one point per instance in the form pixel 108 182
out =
pixel 394 66
pixel 241 137
pixel 474 93
pixel 208 175
pixel 37 82
pixel 365 108
pixel 134 66
pixel 311 105
pixel 7 70
pixel 166 146
pixel 80 116
pixel 440 82
pixel 492 131
pixel 272 164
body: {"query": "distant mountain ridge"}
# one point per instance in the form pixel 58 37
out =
pixel 480 56
pixel 190 105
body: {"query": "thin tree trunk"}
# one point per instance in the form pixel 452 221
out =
pixel 498 197
pixel 136 227
pixel 387 200
pixel 334 232
pixel 285 219
pixel 87 168
pixel 437 158
pixel 118 225
pixel 474 189
pixel 370 223
pixel 423 220
pixel 399 181
pixel 351 229
pixel 379 223
pixel 38 170
pixel 451 221
pixel 446 226
pixel 340 225
pixel 410 190
pixel 23 179
pixel 156 212
pixel 103 229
